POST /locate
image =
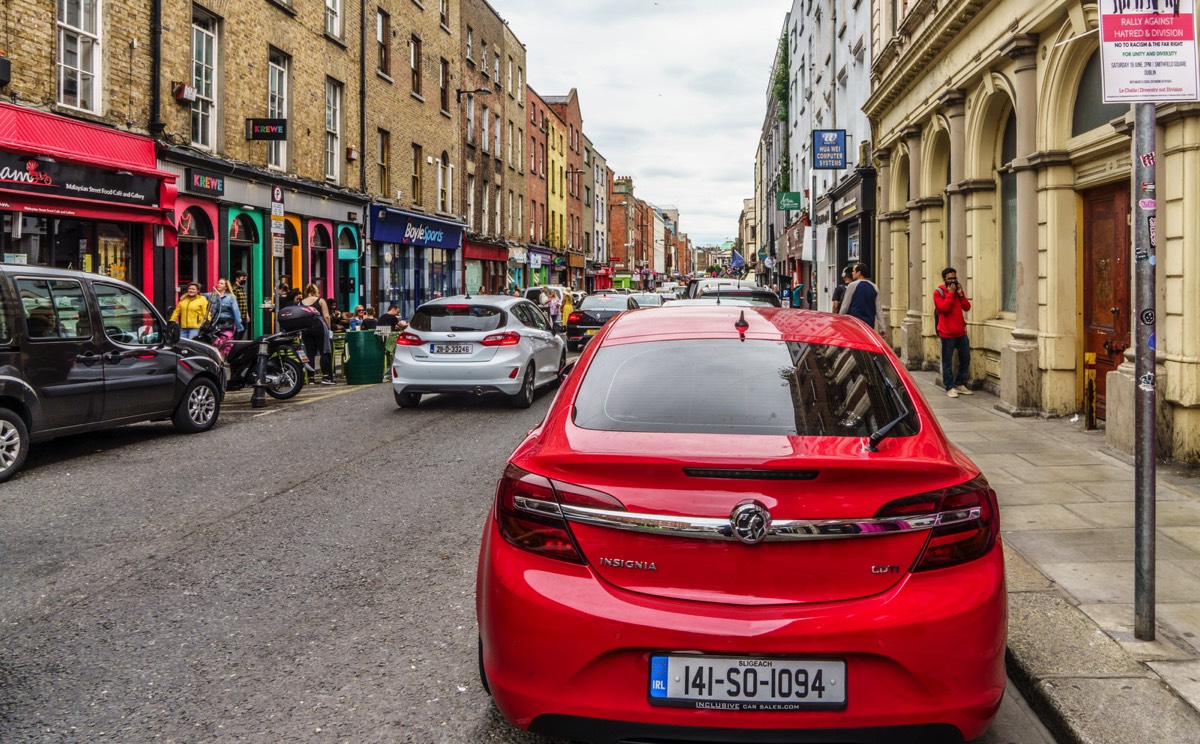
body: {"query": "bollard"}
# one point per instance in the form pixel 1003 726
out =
pixel 259 398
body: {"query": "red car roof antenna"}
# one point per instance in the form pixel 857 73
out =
pixel 741 325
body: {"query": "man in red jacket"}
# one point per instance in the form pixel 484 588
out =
pixel 950 302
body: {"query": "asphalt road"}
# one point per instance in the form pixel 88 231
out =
pixel 304 572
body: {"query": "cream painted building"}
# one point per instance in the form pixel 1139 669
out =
pixel 997 156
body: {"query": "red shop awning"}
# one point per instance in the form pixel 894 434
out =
pixel 34 132
pixel 484 252
pixel 84 209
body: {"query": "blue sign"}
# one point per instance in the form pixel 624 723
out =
pixel 829 149
pixel 393 226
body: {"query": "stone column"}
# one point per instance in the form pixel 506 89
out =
pixel 954 103
pixel 910 329
pixel 1020 380
pixel 883 238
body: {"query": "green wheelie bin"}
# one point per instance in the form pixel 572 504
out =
pixel 364 357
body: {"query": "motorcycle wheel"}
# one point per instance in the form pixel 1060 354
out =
pixel 291 377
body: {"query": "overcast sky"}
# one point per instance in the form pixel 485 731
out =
pixel 673 92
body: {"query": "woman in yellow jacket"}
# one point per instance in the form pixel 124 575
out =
pixel 191 311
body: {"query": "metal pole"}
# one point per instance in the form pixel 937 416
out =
pixel 1145 209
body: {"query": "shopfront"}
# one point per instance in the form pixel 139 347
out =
pixel 276 230
pixel 853 216
pixel 539 267
pixel 603 278
pixel 518 267
pixel 81 196
pixel 485 266
pixel 349 291
pixel 575 268
pixel 418 258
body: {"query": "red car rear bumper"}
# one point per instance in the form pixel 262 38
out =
pixel 561 645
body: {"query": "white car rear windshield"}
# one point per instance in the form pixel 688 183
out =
pixel 726 386
pixel 457 318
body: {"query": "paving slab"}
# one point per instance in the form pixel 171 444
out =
pixel 1188 537
pixel 1112 581
pixel 1041 547
pixel 1124 491
pixel 1122 513
pixel 1184 678
pixel 1117 620
pixel 1183 619
pixel 1061 456
pixel 1042 517
pixel 1074 474
pixel 1021 494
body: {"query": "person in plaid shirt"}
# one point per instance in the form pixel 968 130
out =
pixel 239 294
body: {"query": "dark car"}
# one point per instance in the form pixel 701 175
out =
pixel 80 352
pixel 592 314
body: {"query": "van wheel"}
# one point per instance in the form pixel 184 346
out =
pixel 199 408
pixel 14 443
pixel 407 400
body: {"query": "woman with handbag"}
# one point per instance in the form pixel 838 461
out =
pixel 224 314
pixel 191 311
pixel 317 337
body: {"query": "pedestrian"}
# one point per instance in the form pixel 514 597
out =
pixel 369 321
pixel 191 311
pixel 555 308
pixel 317 337
pixel 357 319
pixel 840 290
pixel 225 316
pixel 798 295
pixel 243 303
pixel 862 299
pixel 544 300
pixel 950 301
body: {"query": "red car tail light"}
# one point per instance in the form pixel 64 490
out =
pixel 574 317
pixel 530 518
pixel 508 338
pixel 408 339
pixel 968 522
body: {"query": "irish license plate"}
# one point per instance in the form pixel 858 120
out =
pixel 300 352
pixel 743 683
pixel 591 331
pixel 450 348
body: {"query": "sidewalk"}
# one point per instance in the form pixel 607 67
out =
pixel 1067 520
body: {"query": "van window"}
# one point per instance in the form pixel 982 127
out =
pixel 54 309
pixel 127 318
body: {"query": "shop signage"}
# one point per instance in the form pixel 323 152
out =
pixel 829 149
pixel 394 226
pixel 48 177
pixel 203 182
pixel 787 201
pixel 1148 55
pixel 517 254
pixel 266 129
pixel 535 260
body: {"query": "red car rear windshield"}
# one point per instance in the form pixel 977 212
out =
pixel 732 387
pixel 460 318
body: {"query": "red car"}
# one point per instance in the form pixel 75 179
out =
pixel 742 524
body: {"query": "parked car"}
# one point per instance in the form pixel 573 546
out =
pixel 479 344
pixel 737 523
pixel 81 352
pixel 647 299
pixel 702 284
pixel 738 290
pixel 592 314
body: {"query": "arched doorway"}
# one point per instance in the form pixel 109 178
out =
pixel 195 234
pixel 319 245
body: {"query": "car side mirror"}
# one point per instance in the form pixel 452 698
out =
pixel 171 337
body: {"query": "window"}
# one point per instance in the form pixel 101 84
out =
pixel 520 85
pixel 541 159
pixel 486 123
pixel 471 119
pixel 333 129
pixel 497 230
pixel 511 209
pixel 383 35
pixel 444 13
pixel 127 319
pixel 497 134
pixel 497 67
pixel 486 222
pixel 533 155
pixel 520 218
pixel 277 105
pixel 414 59
pixel 470 43
pixel 533 218
pixel 78 53
pixel 418 157
pixel 483 57
pixel 1008 218
pixel 510 144
pixel 520 149
pixel 470 202
pixel 204 80
pixel 587 195
pixel 510 76
pixel 333 18
pixel 443 183
pixel 383 149
pixel 1090 109
pixel 54 309
pixel 444 84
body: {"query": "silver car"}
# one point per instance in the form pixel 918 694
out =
pixel 478 344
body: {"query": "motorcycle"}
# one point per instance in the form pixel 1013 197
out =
pixel 287 363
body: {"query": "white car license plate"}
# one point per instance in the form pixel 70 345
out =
pixel 744 683
pixel 591 331
pixel 450 348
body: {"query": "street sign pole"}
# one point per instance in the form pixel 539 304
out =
pixel 1144 238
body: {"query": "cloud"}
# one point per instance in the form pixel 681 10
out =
pixel 673 92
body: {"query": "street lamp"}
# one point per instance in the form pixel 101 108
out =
pixel 458 93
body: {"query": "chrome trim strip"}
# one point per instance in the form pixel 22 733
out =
pixel 706 528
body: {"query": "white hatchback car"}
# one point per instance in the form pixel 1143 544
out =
pixel 477 344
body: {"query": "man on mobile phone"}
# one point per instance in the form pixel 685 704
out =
pixel 950 301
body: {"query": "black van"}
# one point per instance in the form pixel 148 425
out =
pixel 80 352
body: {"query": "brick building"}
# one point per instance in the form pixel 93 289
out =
pixel 515 160
pixel 567 109
pixel 537 190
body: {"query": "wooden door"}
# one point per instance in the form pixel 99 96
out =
pixel 1106 300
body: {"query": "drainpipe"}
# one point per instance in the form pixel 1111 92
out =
pixel 157 127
